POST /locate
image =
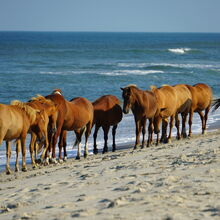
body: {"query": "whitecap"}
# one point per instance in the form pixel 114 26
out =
pixel 179 50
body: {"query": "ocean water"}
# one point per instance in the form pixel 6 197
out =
pixel 91 64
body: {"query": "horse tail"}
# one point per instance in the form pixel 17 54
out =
pixel 78 138
pixel 215 104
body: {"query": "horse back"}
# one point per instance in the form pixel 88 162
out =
pixel 107 110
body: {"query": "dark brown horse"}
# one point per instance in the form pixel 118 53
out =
pixel 15 121
pixel 166 107
pixel 216 104
pixel 50 117
pixel 144 106
pixel 201 100
pixel 107 112
pixel 79 118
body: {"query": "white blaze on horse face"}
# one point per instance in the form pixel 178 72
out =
pixel 57 92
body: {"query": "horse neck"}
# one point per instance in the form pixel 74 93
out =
pixel 137 98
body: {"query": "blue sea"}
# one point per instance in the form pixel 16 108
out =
pixel 92 64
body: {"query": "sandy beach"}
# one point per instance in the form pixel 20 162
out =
pixel 179 180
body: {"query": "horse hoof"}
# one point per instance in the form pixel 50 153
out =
pixel 60 161
pixel 77 157
pixel 53 161
pixel 35 166
pixel 95 151
pixel 65 159
pixel 85 155
pixel 8 172
pixel 113 149
pixel 24 169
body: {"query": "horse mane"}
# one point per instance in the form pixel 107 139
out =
pixel 57 91
pixel 42 99
pixel 152 87
pixel 29 110
pixel 131 85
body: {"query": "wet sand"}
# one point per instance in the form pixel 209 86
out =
pixel 179 180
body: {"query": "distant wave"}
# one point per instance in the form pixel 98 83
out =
pixel 180 50
pixel 130 72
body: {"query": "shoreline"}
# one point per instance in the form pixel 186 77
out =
pixel 180 179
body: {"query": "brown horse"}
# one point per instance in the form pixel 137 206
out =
pixel 15 121
pixel 50 117
pixel 59 100
pixel 201 100
pixel 183 105
pixel 144 106
pixel 107 112
pixel 79 119
pixel 166 107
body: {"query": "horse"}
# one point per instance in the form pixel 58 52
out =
pixel 201 100
pixel 15 121
pixel 184 102
pixel 107 112
pixel 166 107
pixel 57 97
pixel 144 106
pixel 50 117
pixel 79 118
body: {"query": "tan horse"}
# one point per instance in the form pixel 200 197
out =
pixel 144 106
pixel 183 105
pixel 15 121
pixel 166 107
pixel 50 117
pixel 79 119
pixel 107 112
pixel 201 100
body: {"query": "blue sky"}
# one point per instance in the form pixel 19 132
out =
pixel 111 15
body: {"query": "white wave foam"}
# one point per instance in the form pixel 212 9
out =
pixel 130 72
pixel 179 50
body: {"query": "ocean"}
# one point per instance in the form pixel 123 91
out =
pixel 92 64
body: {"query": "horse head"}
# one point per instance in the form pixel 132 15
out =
pixel 127 97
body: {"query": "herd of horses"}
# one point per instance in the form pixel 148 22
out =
pixel 49 118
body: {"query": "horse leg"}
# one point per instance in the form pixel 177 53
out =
pixel 206 118
pixel 143 125
pixel 8 154
pixel 171 127
pixel 138 132
pixel 203 120
pixel 163 138
pixel 31 149
pixel 95 150
pixel 64 146
pixel 106 130
pixel 79 134
pixel 190 122
pixel 113 137
pixel 49 149
pixel 60 144
pixel 177 124
pixel 183 132
pixel 150 132
pixel 87 133
pixel 23 150
pixel 46 146
pixel 18 149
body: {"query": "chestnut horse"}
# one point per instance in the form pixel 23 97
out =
pixel 79 119
pixel 50 117
pixel 183 105
pixel 15 121
pixel 144 106
pixel 166 107
pixel 107 112
pixel 201 100
pixel 59 100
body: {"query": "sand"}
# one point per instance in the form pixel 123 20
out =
pixel 180 180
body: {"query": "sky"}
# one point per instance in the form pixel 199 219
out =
pixel 110 15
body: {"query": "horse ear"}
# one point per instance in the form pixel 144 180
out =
pixel 122 89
